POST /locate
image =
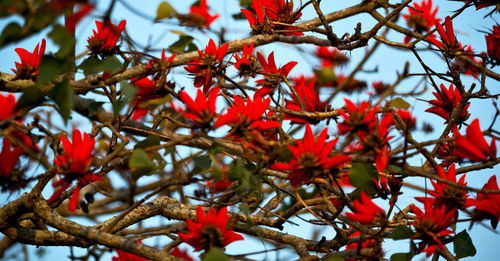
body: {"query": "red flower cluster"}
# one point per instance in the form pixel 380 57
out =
pixel 370 243
pixel 449 44
pixel 145 88
pixel 493 45
pixel 8 158
pixel 208 65
pixel 202 111
pixel 270 15
pixel 8 105
pixel 308 97
pixel 431 226
pixel 244 118
pixel 28 68
pixel 421 18
pixel 365 212
pixel 473 146
pixel 199 13
pixel 103 41
pixel 311 158
pixel 451 197
pixel 210 231
pixel 246 64
pixel 272 75
pixel 446 101
pixel 330 56
pixel 74 165
pixel 126 256
pixel 488 205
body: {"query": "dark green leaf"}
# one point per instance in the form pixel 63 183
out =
pixel 202 162
pixel 463 246
pixel 335 258
pixel 399 103
pixel 401 257
pixel 63 39
pixel 140 164
pixel 183 42
pixel 216 254
pixel 325 75
pixel 401 232
pixel 32 96
pixel 111 64
pixel 50 67
pixel 285 154
pixel 62 95
pixel 151 140
pixel 11 33
pixel 165 10
pixel 94 107
pixel 91 65
pixel 360 173
pixel 128 90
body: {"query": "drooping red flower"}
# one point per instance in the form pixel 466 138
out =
pixel 365 212
pixel 449 44
pixel 311 158
pixel 360 119
pixel 208 65
pixel 202 110
pixel 8 104
pixel 330 56
pixel 177 252
pixel 246 64
pixel 103 41
pixel 308 97
pixel 126 256
pixel 8 158
pixel 474 146
pixel 488 204
pixel 145 89
pixel 446 101
pixel 272 75
pixel 431 226
pixel 74 165
pixel 493 45
pixel 446 195
pixel 421 18
pixel 28 68
pixel 246 117
pixel 271 15
pixel 72 20
pixel 211 230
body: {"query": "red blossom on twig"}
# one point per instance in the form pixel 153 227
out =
pixel 365 211
pixel 474 146
pixel 493 45
pixel 449 44
pixel 211 230
pixel 487 204
pixel 446 101
pixel 8 104
pixel 421 18
pixel 202 110
pixel 73 19
pixel 28 68
pixel 200 13
pixel 311 158
pixel 308 97
pixel 177 252
pixel 272 75
pixel 330 56
pixel 246 64
pixel 271 16
pixel 103 41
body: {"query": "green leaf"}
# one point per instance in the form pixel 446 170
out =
pixel 91 65
pixel 216 254
pixel 401 232
pixel 360 173
pixel 325 75
pixel 31 97
pixel 285 154
pixel 63 39
pixel 463 246
pixel 11 33
pixel 335 258
pixel 183 42
pixel 140 164
pixel 49 69
pixel 128 90
pixel 94 107
pixel 151 140
pixel 401 257
pixel 165 10
pixel 202 162
pixel 399 103
pixel 111 64
pixel 62 95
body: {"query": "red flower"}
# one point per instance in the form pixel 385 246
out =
pixel 365 212
pixel 370 243
pixel 210 231
pixel 208 64
pixel 330 56
pixel 407 118
pixel 447 195
pixel 125 256
pixel 103 41
pixel 308 97
pixel 201 13
pixel 270 15
pixel 311 158
pixel 493 45
pixel 74 18
pixel 177 252
pixel 201 111
pixel 446 101
pixel 360 119
pixel 246 64
pixel 244 118
pixel 272 75
pixel 145 89
pixel 421 18
pixel 220 185
pixel 488 204
pixel 464 67
pixel 28 68
pixel 473 146
pixel 8 104
pixel 8 158
pixel 449 43
pixel 74 165
pixel 431 226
